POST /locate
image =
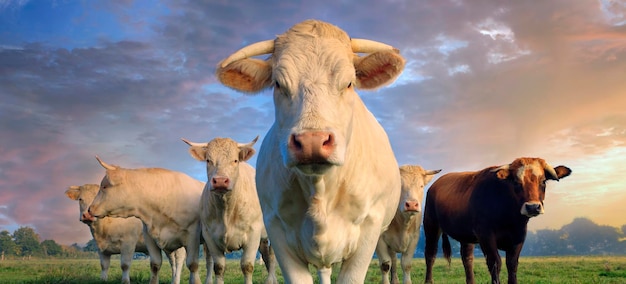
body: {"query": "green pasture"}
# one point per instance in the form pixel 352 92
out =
pixel 572 269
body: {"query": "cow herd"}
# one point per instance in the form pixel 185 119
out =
pixel 326 190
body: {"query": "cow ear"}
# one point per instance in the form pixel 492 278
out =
pixel 562 171
pixel 248 75
pixel 378 69
pixel 502 172
pixel 73 192
pixel 198 153
pixel 245 153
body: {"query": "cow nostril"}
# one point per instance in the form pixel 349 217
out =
pixel 330 141
pixel 295 142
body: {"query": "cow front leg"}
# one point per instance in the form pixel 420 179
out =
pixel 193 250
pixel 494 263
pixel 384 260
pixel 294 269
pixel 105 262
pixel 267 254
pixel 512 259
pixel 155 257
pixel 467 255
pixel 177 259
pixel 126 257
pixel 354 268
pixel 430 251
pixel 247 259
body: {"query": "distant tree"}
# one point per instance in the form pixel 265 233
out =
pixel 91 246
pixel 27 241
pixel 51 248
pixel 548 242
pixel 624 230
pixel 7 245
pixel 586 237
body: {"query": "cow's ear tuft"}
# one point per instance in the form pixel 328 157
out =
pixel 245 153
pixel 502 172
pixel 197 153
pixel 72 193
pixel 562 171
pixel 249 75
pixel 378 69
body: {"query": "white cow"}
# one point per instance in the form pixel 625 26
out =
pixel 167 202
pixel 231 214
pixel 123 236
pixel 327 178
pixel 404 230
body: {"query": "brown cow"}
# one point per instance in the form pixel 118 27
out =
pixel 490 207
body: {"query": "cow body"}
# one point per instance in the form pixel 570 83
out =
pixel 491 207
pixel 404 230
pixel 327 178
pixel 122 236
pixel 231 214
pixel 167 202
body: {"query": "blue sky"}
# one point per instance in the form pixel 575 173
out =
pixel 485 83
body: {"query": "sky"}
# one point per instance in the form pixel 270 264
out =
pixel 485 82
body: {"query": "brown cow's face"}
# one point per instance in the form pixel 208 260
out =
pixel 529 176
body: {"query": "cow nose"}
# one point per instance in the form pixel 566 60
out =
pixel 220 182
pixel 312 146
pixel 533 209
pixel 87 216
pixel 412 206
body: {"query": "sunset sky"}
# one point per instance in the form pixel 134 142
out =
pixel 485 82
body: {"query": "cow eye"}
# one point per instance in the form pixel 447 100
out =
pixel 276 85
pixel 349 85
pixel 236 161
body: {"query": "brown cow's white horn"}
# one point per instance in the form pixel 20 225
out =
pixel 549 169
pixel 259 48
pixel 240 145
pixel 193 144
pixel 360 45
pixel 105 165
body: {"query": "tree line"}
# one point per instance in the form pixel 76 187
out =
pixel 25 243
pixel 581 237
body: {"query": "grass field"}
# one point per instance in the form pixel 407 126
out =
pixel 579 269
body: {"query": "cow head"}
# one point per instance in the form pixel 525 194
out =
pixel 314 70
pixel 84 194
pixel 113 198
pixel 222 157
pixel 529 176
pixel 414 178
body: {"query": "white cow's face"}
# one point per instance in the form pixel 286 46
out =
pixel 313 69
pixel 222 157
pixel 414 179
pixel 113 198
pixel 314 105
pixel 84 194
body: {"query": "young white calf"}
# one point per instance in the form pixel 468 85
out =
pixel 231 214
pixel 404 230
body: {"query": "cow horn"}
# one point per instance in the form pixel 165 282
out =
pixel 248 144
pixel 259 48
pixel 360 45
pixel 193 144
pixel 549 169
pixel 73 187
pixel 104 165
pixel 433 172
